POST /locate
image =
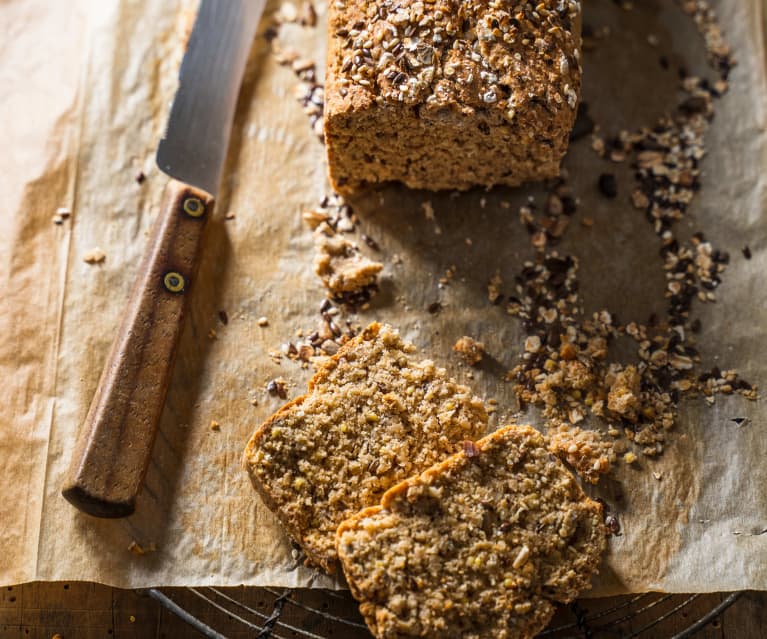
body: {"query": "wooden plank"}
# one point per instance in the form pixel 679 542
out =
pixel 747 619
pixel 134 615
pixel 46 609
pixel 90 611
pixel 60 595
pixel 10 606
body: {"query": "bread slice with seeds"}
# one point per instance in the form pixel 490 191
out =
pixel 374 415
pixel 482 545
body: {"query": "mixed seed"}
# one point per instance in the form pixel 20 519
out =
pixel 432 51
pixel 568 368
pixel 309 92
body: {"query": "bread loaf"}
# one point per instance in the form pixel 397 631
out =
pixel 448 94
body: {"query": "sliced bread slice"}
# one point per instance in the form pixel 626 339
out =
pixel 482 545
pixel 374 415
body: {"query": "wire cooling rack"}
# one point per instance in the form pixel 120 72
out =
pixel 268 613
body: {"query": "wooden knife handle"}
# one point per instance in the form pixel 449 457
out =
pixel 114 444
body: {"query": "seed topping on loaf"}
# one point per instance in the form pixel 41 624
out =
pixel 478 53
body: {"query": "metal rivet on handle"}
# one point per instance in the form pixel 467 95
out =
pixel 174 282
pixel 194 207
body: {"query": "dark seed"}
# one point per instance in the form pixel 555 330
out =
pixel 608 185
pixel 470 449
pixel 747 252
pixel 613 525
pixel 370 242
pixel 223 317
pixel 568 205
pixel 694 105
pixel 695 326
pixel 270 34
pixel 277 388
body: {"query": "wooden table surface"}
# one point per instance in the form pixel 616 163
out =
pixel 88 611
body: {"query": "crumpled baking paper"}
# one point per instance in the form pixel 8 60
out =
pixel 87 91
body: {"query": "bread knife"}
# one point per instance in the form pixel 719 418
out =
pixel 114 444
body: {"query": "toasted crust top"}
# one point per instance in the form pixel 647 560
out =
pixel 480 54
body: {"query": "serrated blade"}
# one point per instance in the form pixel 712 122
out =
pixel 197 136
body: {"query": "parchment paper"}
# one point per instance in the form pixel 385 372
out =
pixel 90 83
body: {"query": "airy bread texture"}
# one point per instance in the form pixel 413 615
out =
pixel 374 415
pixel 449 94
pixel 482 545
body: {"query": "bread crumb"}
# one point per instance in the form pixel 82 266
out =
pixel 585 450
pixel 308 16
pixel 139 550
pixel 263 321
pixel 345 272
pixel 94 256
pixel 214 425
pixel 314 218
pixel 470 350
pixel 623 397
pixel 494 288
